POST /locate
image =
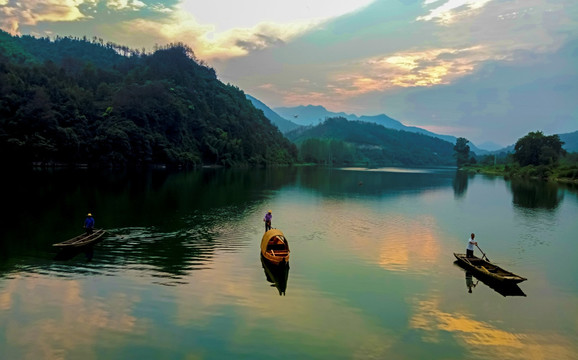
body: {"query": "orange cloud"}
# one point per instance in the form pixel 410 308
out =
pixel 181 26
pixel 12 15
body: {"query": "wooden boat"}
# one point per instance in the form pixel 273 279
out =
pixel 81 240
pixel 274 247
pixel 486 269
pixel 504 289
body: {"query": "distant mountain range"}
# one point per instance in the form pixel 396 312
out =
pixel 315 114
pixel 570 141
pixel 309 115
pixel 284 125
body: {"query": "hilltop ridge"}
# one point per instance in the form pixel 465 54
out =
pixel 76 101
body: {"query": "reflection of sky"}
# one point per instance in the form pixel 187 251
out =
pixel 47 318
pixel 389 169
pixel 487 340
pixel 371 277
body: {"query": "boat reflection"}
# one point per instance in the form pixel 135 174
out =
pixel 506 289
pixel 66 254
pixel 470 281
pixel 277 274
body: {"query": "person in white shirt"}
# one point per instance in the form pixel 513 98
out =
pixel 471 243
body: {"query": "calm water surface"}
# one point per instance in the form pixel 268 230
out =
pixel 372 273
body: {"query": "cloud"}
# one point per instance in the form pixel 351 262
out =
pixel 227 15
pixel 125 4
pixel 412 69
pixel 451 10
pixel 15 13
pixel 266 25
pixel 178 25
pixel 238 42
pixel 382 74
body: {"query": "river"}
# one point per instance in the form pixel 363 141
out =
pixel 372 274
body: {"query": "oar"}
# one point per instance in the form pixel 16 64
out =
pixel 482 253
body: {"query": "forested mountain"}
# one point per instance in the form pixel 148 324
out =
pixel 78 101
pixel 283 124
pixel 315 114
pixel 339 141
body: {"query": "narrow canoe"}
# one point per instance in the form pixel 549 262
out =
pixel 274 247
pixel 82 240
pixel 487 269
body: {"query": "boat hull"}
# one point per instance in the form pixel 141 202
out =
pixel 81 240
pixel 488 270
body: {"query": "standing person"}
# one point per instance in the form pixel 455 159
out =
pixel 89 224
pixel 267 219
pixel 471 243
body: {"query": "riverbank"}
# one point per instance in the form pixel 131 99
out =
pixel 559 174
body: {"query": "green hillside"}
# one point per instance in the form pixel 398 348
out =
pixel 340 141
pixel 76 101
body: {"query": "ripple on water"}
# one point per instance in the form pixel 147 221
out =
pixel 167 256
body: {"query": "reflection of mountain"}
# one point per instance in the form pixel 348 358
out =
pixel 169 222
pixel 277 275
pixel 373 182
pixel 535 194
pixel 500 288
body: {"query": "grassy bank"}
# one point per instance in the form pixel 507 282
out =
pixel 564 173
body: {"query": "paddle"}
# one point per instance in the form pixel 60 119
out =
pixel 484 255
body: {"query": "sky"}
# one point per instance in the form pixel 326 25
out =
pixel 486 70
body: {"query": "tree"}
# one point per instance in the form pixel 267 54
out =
pixel 538 149
pixel 462 151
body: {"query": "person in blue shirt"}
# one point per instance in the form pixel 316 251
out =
pixel 89 224
pixel 267 219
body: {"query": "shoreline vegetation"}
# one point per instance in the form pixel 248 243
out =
pixel 535 156
pixel 561 174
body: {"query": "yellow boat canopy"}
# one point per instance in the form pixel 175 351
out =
pixel 268 236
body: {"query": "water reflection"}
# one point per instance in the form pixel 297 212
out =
pixel 470 281
pixel 70 253
pixel 500 288
pixel 460 183
pixel 167 256
pixel 277 275
pixel 341 182
pixel 535 194
pixel 384 271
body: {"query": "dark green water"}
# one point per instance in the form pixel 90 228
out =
pixel 372 273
